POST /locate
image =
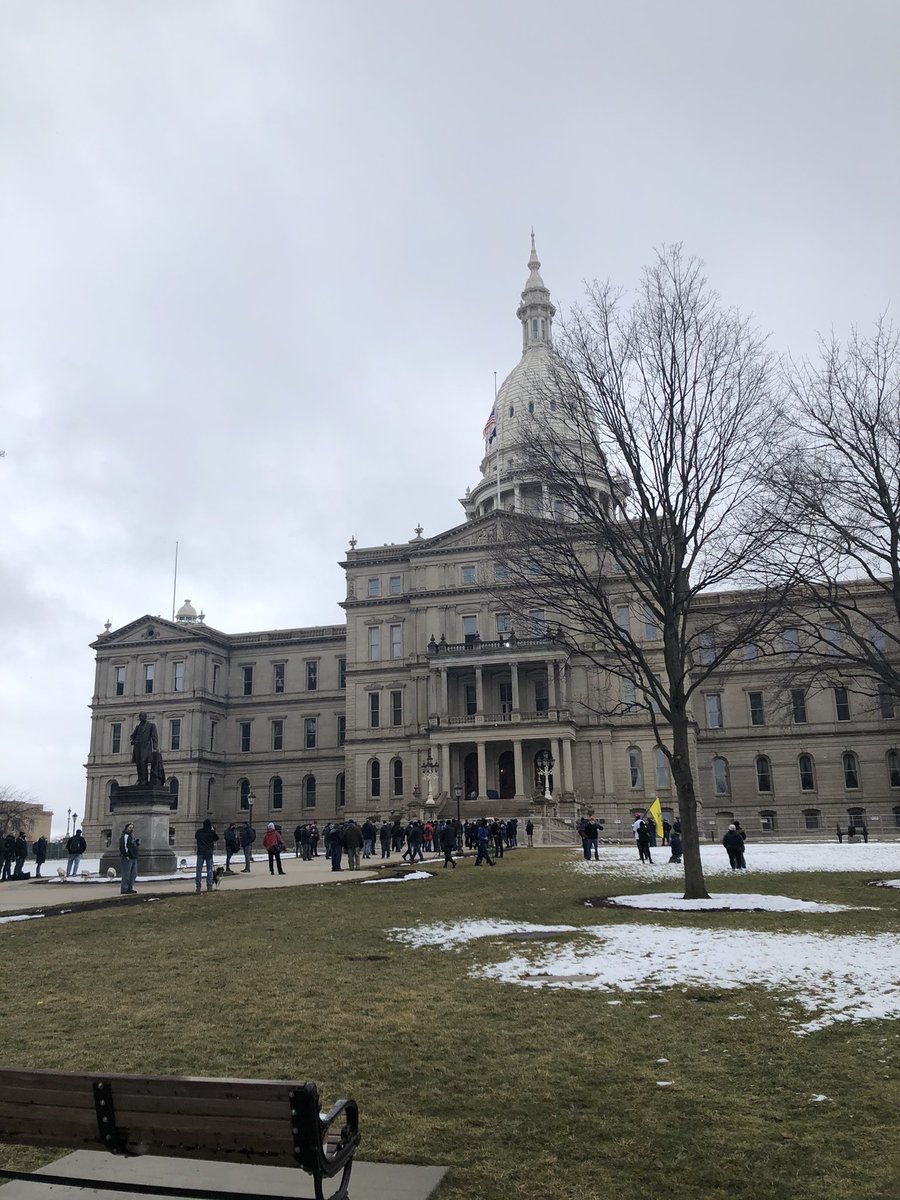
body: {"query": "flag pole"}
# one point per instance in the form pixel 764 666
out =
pixel 175 581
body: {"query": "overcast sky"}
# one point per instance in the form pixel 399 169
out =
pixel 260 260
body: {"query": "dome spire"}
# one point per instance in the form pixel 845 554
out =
pixel 535 311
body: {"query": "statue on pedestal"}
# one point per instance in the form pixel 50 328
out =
pixel 145 745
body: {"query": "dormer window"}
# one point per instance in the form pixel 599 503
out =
pixel 534 328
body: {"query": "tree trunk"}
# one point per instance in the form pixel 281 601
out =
pixel 694 883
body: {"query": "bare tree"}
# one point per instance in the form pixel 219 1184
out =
pixel 651 441
pixel 16 809
pixel 839 487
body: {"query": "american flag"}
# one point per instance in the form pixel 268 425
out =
pixel 490 429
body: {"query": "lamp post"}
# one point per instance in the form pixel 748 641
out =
pixel 68 820
pixel 545 765
pixel 251 800
pixel 429 770
pixel 457 796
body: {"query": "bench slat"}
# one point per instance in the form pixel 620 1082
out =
pixel 149 1085
pixel 273 1158
pixel 259 1108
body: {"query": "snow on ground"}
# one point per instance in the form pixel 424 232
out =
pixel 401 878
pixel 834 979
pixel 879 858
pixel 733 902
pixel 20 917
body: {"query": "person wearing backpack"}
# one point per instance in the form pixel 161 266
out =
pixel 39 850
pixel 75 847
pixel 232 845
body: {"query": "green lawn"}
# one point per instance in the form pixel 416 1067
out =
pixel 524 1093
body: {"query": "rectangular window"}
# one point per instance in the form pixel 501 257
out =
pixel 504 625
pixel 177 676
pixel 470 629
pixel 767 822
pixel 885 702
pixel 175 734
pixel 397 777
pixel 541 696
pixel 721 783
pixel 537 623
pixel 374 643
pixel 467 573
pixel 396 585
pixel 247 677
pixel 116 738
pixel 651 629
pixel 707 649
pixel 215 679
pixel 120 681
pixel 278 735
pixel 832 633
pixel 244 728
pixel 798 705
pixel 623 617
pixel 213 726
pixel 811 818
pixel 309 726
pixel 396 632
pixel 501 571
pixel 374 710
pixel 149 671
pixel 629 694
pixel 750 652
pixel 373 588
pixel 790 641
pixel 396 708
pixel 757 712
pixel 341 729
pixel 714 711
pixel 278 678
pixel 662 768
pixel 471 700
pixel 877 637
pixel 841 704
pixel 342 672
pixel 312 675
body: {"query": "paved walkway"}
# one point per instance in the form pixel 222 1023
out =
pixel 26 895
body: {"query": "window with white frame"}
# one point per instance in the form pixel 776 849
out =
pixel 798 705
pixel 807 771
pixel 537 623
pixel 635 768
pixel 175 733
pixel 115 737
pixel 504 624
pixel 768 821
pixel 395 585
pixel 178 676
pixel 850 763
pixel 312 675
pixel 374 643
pixel 707 651
pixel 375 779
pixel 374 710
pixel 278 678
pixel 651 628
pixel 757 711
pixel 501 571
pixel 662 768
pixel 750 652
pixel 832 636
pixel 623 617
pixel 629 694
pixel 467 573
pixel 277 792
pixel 373 587
pixel 397 708
pixel 878 638
pixel 885 702
pixel 469 628
pixel 811 818
pixel 278 735
pixel 309 792
pixel 714 710
pixel 120 681
pixel 149 672
pixel 841 703
pixel 763 774
pixel 790 642
pixel 893 766
pixel 247 680
pixel 396 632
pixel 310 725
pixel 244 735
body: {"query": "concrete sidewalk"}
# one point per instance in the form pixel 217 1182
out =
pixel 368 1181
pixel 29 895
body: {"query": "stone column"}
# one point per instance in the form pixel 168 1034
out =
pixel 479 690
pixel 445 697
pixel 514 677
pixel 551 684
pixel 482 771
pixel 444 781
pixel 561 781
pixel 567 764
pixel 520 773
pixel 563 685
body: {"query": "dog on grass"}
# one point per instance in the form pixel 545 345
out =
pixel 218 873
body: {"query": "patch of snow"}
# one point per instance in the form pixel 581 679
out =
pixel 818 1099
pixel 834 979
pixel 401 878
pixel 20 917
pixel 732 901
pixel 664 1082
pixel 767 857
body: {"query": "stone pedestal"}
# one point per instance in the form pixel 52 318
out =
pixel 149 808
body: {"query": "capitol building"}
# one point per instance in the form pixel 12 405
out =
pixel 432 699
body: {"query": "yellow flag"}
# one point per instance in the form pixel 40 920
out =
pixel 655 813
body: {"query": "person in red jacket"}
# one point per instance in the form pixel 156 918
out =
pixel 274 844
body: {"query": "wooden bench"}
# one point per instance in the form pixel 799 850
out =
pixel 235 1120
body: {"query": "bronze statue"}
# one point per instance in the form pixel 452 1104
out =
pixel 145 743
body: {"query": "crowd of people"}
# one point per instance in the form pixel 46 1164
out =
pixel 15 851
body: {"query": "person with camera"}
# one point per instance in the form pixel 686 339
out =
pixel 128 857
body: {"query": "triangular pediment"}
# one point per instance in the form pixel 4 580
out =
pixel 484 531
pixel 148 631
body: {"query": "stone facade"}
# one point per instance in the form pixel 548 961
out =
pixel 339 720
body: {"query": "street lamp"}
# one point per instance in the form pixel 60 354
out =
pixel 429 770
pixel 457 796
pixel 68 819
pixel 545 765
pixel 251 800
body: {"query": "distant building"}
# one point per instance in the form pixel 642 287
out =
pixel 338 720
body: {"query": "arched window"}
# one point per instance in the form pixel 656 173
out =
pixel 893 766
pixel 277 792
pixel 397 777
pixel 375 778
pixel 635 768
pixel 807 770
pixel 173 793
pixel 811 818
pixel 244 793
pixel 763 774
pixel 851 770
pixel 309 791
pixel 341 790
pixel 662 768
pixel 897 815
pixel 768 821
pixel 721 780
pixel 856 816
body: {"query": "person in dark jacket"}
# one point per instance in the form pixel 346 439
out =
pixel 232 845
pixel 734 844
pixel 298 840
pixel 247 838
pixel 675 844
pixel 335 846
pixel 129 846
pixel 9 849
pixel 40 855
pixel 206 838
pixel 368 833
pixel 483 842
pixel 75 847
pixel 384 838
pixel 590 835
pixel 643 842
pixel 21 853
pixel 448 843
pixel 529 831
pixel 353 841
